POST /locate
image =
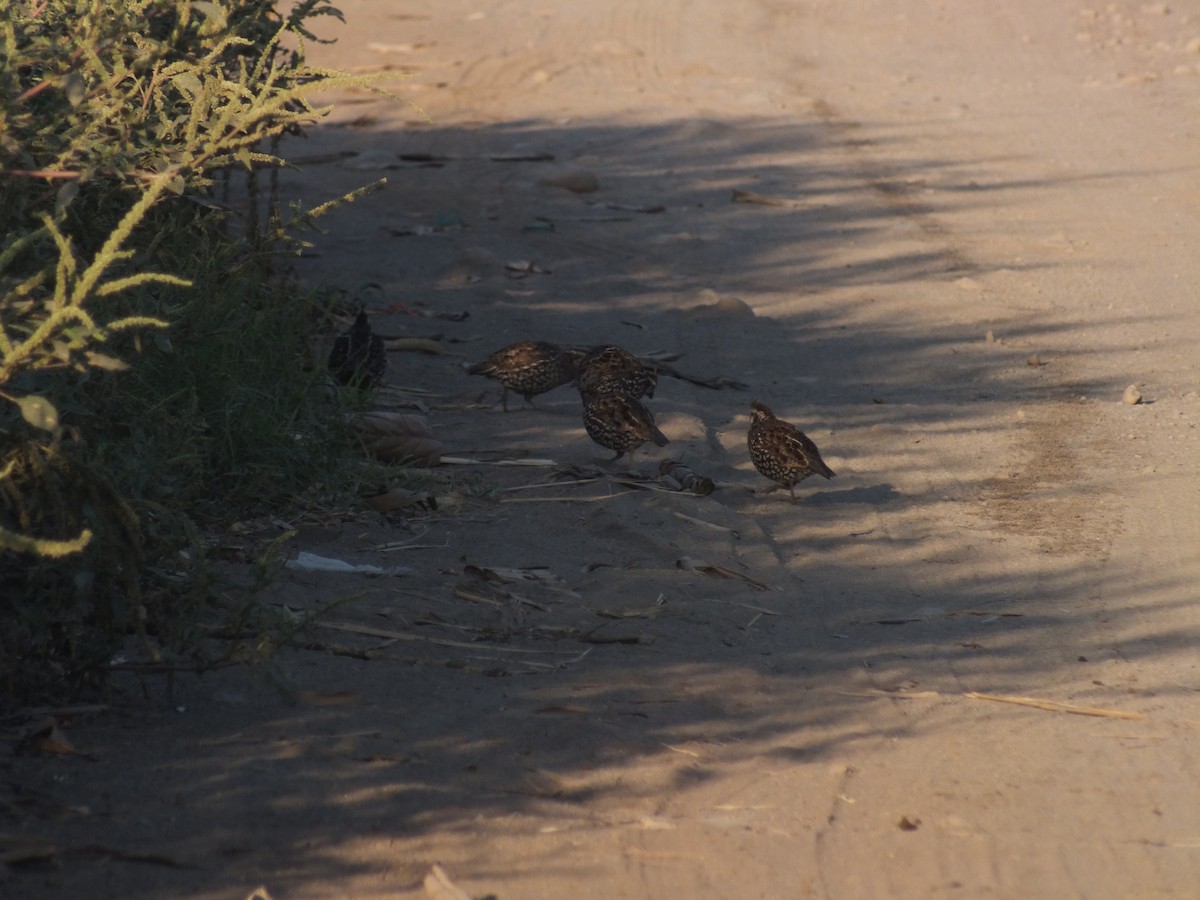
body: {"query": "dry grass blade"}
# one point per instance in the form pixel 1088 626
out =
pixel 438 885
pixel 712 570
pixel 465 594
pixel 758 609
pixel 593 638
pixel 683 517
pixel 1055 706
pixel 649 612
pixel 716 384
pixel 472 597
pixel 467 461
pixel 441 642
pixel 640 484
pixel 545 484
pixel 565 499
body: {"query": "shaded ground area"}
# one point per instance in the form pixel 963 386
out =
pixel 935 241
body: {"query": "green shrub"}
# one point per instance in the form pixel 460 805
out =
pixel 154 369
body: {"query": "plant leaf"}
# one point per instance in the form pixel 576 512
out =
pixel 38 412
pixel 108 363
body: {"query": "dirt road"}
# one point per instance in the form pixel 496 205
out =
pixel 943 238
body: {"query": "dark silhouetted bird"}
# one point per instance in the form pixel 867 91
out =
pixel 610 370
pixel 781 451
pixel 527 367
pixel 619 422
pixel 358 358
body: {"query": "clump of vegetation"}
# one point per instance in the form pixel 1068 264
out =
pixel 154 367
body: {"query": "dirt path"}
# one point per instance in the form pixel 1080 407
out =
pixel 956 236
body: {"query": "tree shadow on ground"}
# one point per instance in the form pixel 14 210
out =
pixel 896 579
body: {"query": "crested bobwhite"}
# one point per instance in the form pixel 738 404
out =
pixel 610 370
pixel 527 367
pixel 357 358
pixel 620 422
pixel 781 451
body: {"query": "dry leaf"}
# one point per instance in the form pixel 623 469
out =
pixel 380 422
pixel 419 345
pixel 394 436
pixel 47 738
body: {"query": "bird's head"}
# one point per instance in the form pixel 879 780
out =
pixel 759 412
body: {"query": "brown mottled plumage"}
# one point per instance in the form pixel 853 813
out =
pixel 781 451
pixel 357 358
pixel 610 370
pixel 527 367
pixel 619 422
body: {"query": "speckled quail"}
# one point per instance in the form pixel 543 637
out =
pixel 620 422
pixel 781 451
pixel 610 370
pixel 357 358
pixel 527 367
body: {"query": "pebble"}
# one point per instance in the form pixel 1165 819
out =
pixel 1132 396
pixel 722 305
pixel 578 181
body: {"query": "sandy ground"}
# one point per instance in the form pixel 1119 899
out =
pixel 962 231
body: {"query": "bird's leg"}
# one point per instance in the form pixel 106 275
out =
pixel 620 453
pixel 504 398
pixel 792 491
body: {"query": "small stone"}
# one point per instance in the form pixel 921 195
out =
pixel 1132 396
pixel 1034 361
pixel 578 181
pixel 990 337
pixel 714 304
